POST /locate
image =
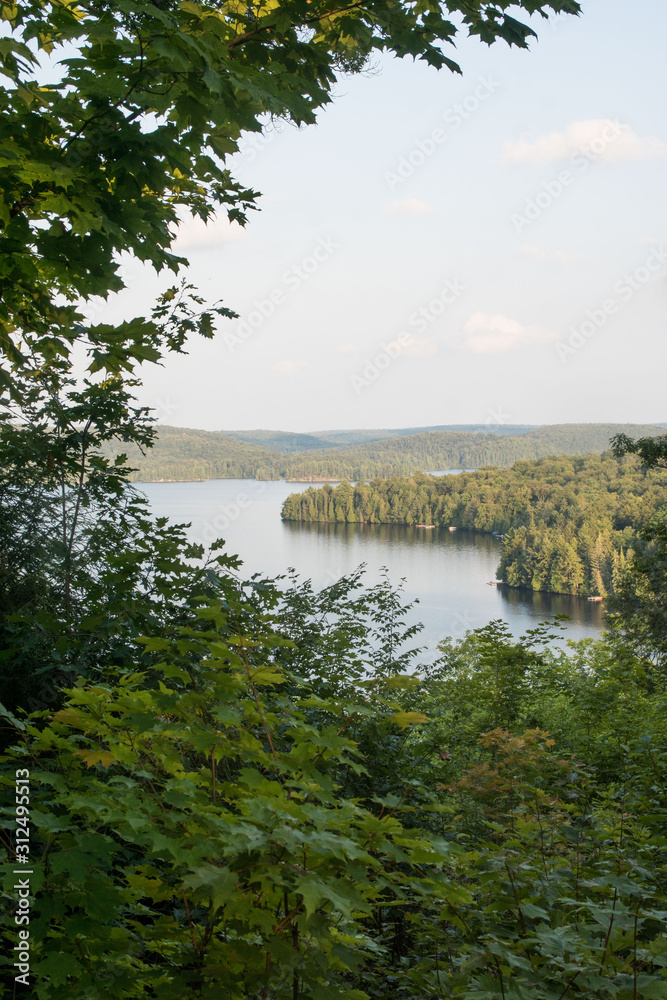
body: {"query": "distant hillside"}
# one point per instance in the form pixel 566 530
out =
pixel 354 437
pixel 438 450
pixel 288 442
pixel 184 454
pixel 284 442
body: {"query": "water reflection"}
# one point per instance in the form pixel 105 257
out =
pixel 397 535
pixel 534 605
pixel 447 572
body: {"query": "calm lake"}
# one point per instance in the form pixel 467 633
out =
pixel 446 571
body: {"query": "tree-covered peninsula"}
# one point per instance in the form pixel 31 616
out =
pixel 569 524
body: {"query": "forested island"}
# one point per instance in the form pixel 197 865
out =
pixel 569 524
pixel 180 453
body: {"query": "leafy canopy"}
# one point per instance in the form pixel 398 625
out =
pixel 651 450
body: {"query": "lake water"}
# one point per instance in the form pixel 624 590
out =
pixel 446 571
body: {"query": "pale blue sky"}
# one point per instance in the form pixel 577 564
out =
pixel 540 271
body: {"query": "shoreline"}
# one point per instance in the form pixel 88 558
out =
pixel 223 479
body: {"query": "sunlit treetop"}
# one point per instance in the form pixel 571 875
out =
pixel 144 102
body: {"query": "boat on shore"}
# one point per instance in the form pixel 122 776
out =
pixel 596 599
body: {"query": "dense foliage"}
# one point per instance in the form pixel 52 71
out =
pixel 183 454
pixel 639 605
pixel 569 524
pixel 272 806
pixel 651 450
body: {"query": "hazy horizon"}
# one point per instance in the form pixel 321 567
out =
pixel 416 428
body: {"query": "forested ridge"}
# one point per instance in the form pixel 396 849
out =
pixel 185 454
pixel 286 441
pixel 569 524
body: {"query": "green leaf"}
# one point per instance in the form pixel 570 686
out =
pixel 211 880
pixel 404 719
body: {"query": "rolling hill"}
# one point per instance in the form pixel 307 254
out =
pixel 186 454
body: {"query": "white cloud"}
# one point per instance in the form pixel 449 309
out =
pixel 409 206
pixel 601 138
pixel 419 347
pixel 538 253
pixel 493 334
pixel 195 233
pixel 288 367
